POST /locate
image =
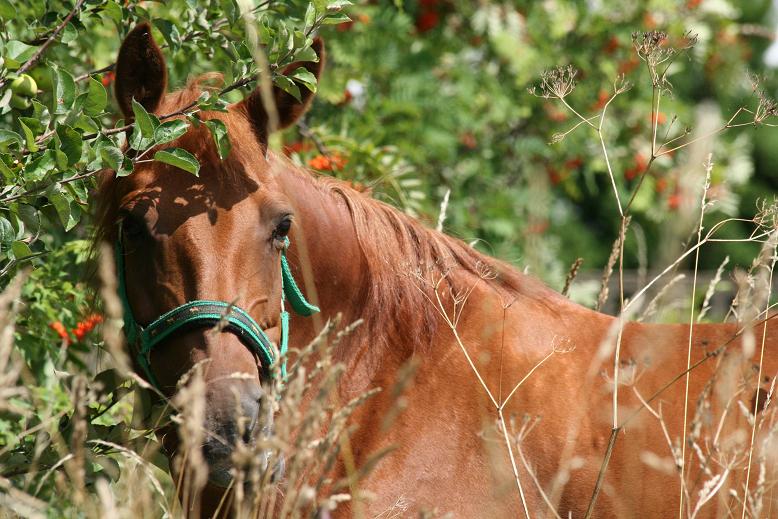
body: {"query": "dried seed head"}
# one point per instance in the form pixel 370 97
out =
pixel 556 83
pixel 767 214
pixel 766 106
pixel 655 48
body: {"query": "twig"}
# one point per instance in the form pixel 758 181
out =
pixel 107 68
pixel 306 132
pixel 39 189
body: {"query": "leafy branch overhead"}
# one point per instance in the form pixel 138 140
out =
pixel 60 130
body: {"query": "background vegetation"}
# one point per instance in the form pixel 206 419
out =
pixel 425 103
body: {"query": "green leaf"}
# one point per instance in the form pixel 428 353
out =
pixel 310 16
pixel 306 54
pixel 112 157
pixel 287 85
pixel 33 124
pixel 8 137
pixel 304 76
pixel 169 32
pixel 20 249
pixel 7 11
pixel 6 97
pixel 30 216
pixel 113 11
pixel 320 5
pixel 16 53
pixel 69 34
pixel 39 167
pixel 220 137
pixel 230 10
pixel 29 138
pixel 62 205
pixel 41 113
pixel 87 124
pixel 144 121
pixel 70 143
pixel 64 91
pixel 179 158
pixel 211 102
pixel 96 98
pixel 138 142
pixel 335 19
pixel 61 160
pixel 7 233
pixel 170 131
pixel 6 172
pixel 16 223
pixel 265 36
pixel 126 168
pixel 337 5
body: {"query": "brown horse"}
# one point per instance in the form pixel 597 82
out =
pixel 472 439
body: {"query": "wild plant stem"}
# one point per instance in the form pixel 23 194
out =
pixel 708 168
pixel 504 427
pixel 774 254
pixel 603 468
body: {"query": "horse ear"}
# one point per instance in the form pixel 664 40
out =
pixel 289 109
pixel 140 71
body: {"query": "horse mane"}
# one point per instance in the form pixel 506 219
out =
pixel 406 260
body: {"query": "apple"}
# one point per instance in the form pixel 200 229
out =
pixel 19 102
pixel 24 85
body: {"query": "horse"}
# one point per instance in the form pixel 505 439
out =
pixel 519 405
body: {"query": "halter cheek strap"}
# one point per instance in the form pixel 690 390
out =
pixel 213 314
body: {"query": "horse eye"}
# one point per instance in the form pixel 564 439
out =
pixel 132 228
pixel 282 229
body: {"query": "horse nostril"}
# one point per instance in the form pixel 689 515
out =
pixel 251 404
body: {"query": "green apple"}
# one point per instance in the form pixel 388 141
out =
pixel 24 85
pixel 19 102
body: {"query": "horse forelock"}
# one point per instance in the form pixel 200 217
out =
pixel 197 140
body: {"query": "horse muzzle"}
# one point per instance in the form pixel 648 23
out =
pixel 250 419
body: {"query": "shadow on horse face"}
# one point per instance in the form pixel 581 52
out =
pixel 176 233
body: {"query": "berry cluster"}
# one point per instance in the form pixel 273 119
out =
pixel 58 327
pixel 328 163
pixel 82 328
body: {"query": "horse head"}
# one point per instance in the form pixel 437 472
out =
pixel 185 241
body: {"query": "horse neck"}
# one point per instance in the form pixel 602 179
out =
pixel 325 255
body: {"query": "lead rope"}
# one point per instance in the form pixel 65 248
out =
pixel 300 305
pixel 284 316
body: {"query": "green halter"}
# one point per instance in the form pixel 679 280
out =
pixel 209 314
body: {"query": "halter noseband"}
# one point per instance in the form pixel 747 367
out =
pixel 213 314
